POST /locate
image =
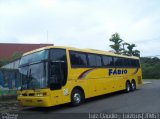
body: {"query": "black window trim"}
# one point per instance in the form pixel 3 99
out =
pixel 112 60
pixel 124 63
pixel 101 56
pixel 95 55
pixel 77 66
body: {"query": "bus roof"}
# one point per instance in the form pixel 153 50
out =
pixel 81 50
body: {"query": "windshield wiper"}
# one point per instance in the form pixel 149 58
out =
pixel 23 65
pixel 29 78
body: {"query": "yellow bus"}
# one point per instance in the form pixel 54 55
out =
pixel 56 75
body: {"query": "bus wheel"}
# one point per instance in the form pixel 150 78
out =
pixel 128 87
pixel 76 97
pixel 133 85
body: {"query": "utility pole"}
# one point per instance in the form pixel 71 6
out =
pixel 47 36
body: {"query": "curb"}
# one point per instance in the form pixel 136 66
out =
pixel 146 82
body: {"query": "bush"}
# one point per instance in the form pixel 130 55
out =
pixel 150 68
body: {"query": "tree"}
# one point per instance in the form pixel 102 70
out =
pixel 130 48
pixel 136 53
pixel 125 52
pixel 117 43
pixel 3 62
pixel 130 51
pixel 150 67
pixel 16 55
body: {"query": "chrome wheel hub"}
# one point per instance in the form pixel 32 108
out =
pixel 133 86
pixel 77 97
pixel 128 87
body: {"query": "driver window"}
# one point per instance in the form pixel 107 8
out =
pixel 58 55
pixel 55 74
pixel 58 65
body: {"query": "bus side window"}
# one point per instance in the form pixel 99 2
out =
pixel 98 61
pixel 127 62
pixel 108 61
pixel 94 60
pixel 118 62
pixel 133 63
pixel 91 60
pixel 78 59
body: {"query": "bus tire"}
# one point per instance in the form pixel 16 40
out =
pixel 128 87
pixel 77 97
pixel 133 85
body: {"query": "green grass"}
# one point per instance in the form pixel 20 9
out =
pixel 7 92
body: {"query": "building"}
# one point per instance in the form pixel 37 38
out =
pixel 7 50
pixel 9 75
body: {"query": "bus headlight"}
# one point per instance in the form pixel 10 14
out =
pixel 40 94
pixel 19 94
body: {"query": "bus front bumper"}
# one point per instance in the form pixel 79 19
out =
pixel 32 101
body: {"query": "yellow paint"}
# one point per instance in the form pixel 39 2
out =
pixel 97 82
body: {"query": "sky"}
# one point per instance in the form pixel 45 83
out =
pixel 82 23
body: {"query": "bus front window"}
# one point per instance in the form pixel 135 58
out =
pixel 33 70
pixel 34 76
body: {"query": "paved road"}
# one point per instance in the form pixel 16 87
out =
pixel 144 99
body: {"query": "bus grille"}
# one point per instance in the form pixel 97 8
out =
pixel 24 94
pixel 31 94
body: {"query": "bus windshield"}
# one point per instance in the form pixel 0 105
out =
pixel 33 70
pixel 40 70
pixel 34 57
pixel 34 76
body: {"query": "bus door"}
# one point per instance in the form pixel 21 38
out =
pixel 57 74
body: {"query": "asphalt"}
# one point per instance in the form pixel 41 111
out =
pixel 144 99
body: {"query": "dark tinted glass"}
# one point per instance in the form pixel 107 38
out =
pixel 34 57
pixel 115 61
pixel 118 62
pixel 58 55
pixel 98 60
pixel 58 66
pixel 127 62
pixel 107 61
pixel 135 63
pixel 92 60
pixel 78 59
